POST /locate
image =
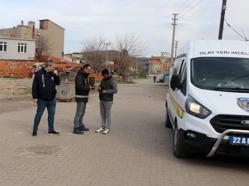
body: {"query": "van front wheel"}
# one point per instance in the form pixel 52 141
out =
pixel 167 120
pixel 177 145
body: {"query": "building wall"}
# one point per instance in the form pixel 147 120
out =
pixel 9 32
pixel 53 36
pixel 21 31
pixel 12 50
pixel 157 68
pixel 51 33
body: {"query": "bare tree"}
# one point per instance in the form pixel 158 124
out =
pixel 41 46
pixel 94 44
pixel 131 43
pixel 130 47
pixel 94 51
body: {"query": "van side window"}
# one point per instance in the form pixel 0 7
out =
pixel 182 76
pixel 181 69
pixel 177 65
pixel 184 81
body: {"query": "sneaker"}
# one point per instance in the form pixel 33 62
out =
pixel 83 128
pixel 106 131
pixel 34 133
pixel 53 132
pixel 77 131
pixel 99 130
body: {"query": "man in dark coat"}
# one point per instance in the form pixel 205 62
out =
pixel 82 89
pixel 43 92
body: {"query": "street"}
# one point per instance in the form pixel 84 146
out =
pixel 138 150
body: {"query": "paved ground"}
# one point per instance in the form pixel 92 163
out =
pixel 136 152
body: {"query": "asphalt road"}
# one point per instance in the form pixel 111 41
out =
pixel 138 151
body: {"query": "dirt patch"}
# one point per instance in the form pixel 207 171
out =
pixel 12 87
pixel 15 94
pixel 10 105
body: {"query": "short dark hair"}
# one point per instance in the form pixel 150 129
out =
pixel 105 71
pixel 86 66
pixel 47 64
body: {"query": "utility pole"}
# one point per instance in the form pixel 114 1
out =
pixel 222 17
pixel 173 37
pixel 107 53
pixel 176 45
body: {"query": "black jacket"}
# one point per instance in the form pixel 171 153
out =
pixel 109 86
pixel 82 87
pixel 44 84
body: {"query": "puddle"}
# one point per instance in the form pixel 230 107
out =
pixel 38 151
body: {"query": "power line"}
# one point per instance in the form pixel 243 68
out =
pixel 186 5
pixel 190 8
pixel 244 35
pixel 237 32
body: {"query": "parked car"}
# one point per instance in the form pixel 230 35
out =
pixel 162 78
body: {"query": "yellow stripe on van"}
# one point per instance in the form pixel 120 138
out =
pixel 180 112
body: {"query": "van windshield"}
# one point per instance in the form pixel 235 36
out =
pixel 221 73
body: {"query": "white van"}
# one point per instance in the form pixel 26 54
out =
pixel 208 100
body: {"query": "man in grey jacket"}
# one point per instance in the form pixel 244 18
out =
pixel 107 88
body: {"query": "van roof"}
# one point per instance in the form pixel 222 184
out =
pixel 218 48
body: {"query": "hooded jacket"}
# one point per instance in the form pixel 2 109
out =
pixel 109 86
pixel 44 84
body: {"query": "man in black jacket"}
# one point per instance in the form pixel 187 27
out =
pixel 43 92
pixel 82 89
pixel 107 88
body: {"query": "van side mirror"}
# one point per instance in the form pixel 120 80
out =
pixel 175 82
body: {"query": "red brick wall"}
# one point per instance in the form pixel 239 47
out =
pixel 20 69
pixel 24 69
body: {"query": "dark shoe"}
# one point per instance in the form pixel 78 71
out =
pixel 34 133
pixel 53 132
pixel 77 131
pixel 83 128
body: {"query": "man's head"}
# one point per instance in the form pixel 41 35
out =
pixel 87 68
pixel 48 66
pixel 105 73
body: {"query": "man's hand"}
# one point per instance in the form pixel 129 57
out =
pixel 92 87
pixel 103 91
pixel 56 72
pixel 35 100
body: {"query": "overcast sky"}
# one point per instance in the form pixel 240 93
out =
pixel 149 19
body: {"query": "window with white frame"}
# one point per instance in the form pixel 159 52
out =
pixel 22 47
pixel 3 46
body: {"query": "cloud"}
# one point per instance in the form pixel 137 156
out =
pixel 150 20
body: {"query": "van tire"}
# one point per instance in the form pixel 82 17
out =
pixel 177 145
pixel 167 120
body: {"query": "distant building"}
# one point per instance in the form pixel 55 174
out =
pixel 73 57
pixel 141 64
pixel 104 56
pixel 49 37
pixel 158 64
pixel 17 49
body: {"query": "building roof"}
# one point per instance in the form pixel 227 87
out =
pixel 154 60
pixel 14 38
pixel 52 22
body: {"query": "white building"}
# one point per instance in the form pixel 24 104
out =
pixel 17 49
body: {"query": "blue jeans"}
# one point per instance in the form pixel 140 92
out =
pixel 41 105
